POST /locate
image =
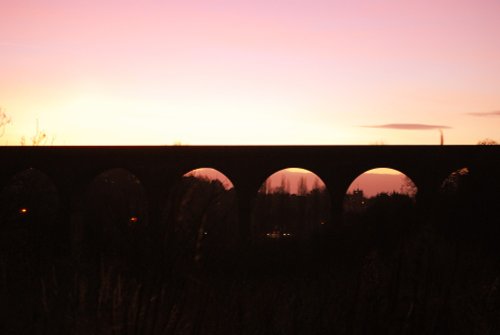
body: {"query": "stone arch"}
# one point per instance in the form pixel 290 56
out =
pixel 29 200
pixel 382 202
pixel 388 169
pixel 211 174
pixel 373 182
pixel 384 180
pixel 115 214
pixel 292 203
pixel 202 218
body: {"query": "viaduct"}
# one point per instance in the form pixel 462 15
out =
pixel 72 169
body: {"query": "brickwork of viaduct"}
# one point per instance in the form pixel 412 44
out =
pixel 72 169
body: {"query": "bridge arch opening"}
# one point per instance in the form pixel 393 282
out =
pixel 378 185
pixel 202 215
pixel 292 204
pixel 116 212
pixel 29 201
pixel 381 202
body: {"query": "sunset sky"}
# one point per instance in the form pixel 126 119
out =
pixel 251 72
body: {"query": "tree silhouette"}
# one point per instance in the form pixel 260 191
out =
pixel 40 137
pixel 281 214
pixel 4 121
pixel 408 187
pixel 487 141
pixel 302 189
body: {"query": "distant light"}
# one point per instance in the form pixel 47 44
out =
pixel 205 233
pixel 134 219
pixel 274 234
pixel 322 222
pixel 23 210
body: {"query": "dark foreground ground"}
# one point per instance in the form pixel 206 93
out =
pixel 426 275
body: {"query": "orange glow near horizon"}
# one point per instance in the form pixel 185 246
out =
pixel 382 180
pixel 239 72
pixel 290 179
pixel 297 170
pixel 384 171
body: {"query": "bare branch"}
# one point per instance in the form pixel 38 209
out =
pixel 4 121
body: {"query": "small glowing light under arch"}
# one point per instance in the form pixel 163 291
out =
pixel 134 219
pixel 23 210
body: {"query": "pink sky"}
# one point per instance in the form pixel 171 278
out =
pixel 251 72
pixel 372 182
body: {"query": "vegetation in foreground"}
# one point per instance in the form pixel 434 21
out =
pixel 392 268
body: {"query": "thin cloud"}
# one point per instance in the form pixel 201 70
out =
pixel 485 114
pixel 409 126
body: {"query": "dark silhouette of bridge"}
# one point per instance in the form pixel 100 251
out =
pixel 72 169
